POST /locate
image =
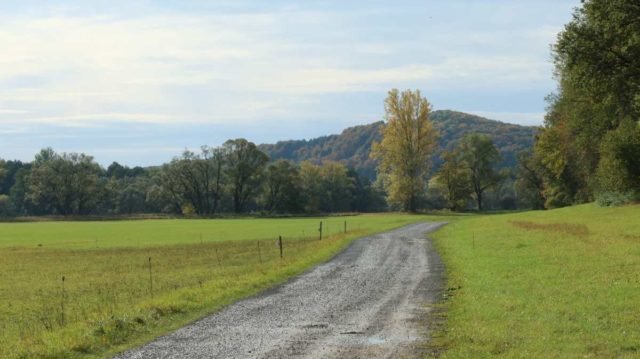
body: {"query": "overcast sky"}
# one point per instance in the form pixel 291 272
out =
pixel 139 81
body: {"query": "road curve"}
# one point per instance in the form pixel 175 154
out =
pixel 365 303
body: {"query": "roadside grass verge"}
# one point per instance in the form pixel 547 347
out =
pixel 562 283
pixel 113 299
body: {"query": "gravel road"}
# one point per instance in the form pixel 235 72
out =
pixel 367 302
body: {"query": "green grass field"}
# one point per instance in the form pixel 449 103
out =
pixel 143 233
pixel 550 284
pixel 109 303
pixel 561 283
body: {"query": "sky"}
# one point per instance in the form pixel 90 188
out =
pixel 140 81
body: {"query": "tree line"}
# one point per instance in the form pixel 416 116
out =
pixel 237 177
pixel 233 178
pixel 589 146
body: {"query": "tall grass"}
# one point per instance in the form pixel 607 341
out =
pixel 111 295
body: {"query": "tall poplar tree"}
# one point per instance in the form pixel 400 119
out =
pixel 408 142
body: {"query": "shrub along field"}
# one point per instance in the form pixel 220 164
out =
pixel 561 283
pixel 126 282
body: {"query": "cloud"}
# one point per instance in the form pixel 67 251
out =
pixel 88 120
pixel 165 67
pixel 175 74
pixel 102 62
pixel 8 111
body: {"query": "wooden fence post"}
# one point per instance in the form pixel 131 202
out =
pixel 320 230
pixel 280 244
pixel 218 258
pixel 150 279
pixel 62 304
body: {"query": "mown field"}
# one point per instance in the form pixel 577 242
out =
pixel 126 282
pixel 551 284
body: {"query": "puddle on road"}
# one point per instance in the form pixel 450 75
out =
pixel 375 341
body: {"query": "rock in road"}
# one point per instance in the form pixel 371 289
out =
pixel 367 302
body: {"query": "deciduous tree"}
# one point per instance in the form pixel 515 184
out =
pixel 283 187
pixel 406 148
pixel 196 179
pixel 337 187
pixel 480 157
pixel 245 166
pixel 454 177
pixel 529 183
pixel 597 64
pixel 65 183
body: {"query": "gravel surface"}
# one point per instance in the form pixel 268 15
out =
pixel 367 302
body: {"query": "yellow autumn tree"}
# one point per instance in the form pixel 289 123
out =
pixel 408 142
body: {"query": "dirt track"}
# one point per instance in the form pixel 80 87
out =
pixel 367 302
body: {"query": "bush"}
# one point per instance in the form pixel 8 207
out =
pixel 6 206
pixel 618 175
pixel 612 199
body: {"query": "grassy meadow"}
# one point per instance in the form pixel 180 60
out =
pixel 110 299
pixel 559 283
pixel 562 283
pixel 144 233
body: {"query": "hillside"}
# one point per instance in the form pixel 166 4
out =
pixel 353 145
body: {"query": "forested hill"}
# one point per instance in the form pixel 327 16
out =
pixel 352 146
